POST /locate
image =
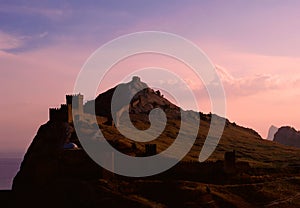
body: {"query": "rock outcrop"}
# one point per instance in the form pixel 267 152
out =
pixel 272 132
pixel 288 136
pixel 143 101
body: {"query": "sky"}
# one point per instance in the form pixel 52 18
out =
pixel 44 44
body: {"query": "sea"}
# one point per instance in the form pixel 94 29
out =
pixel 9 166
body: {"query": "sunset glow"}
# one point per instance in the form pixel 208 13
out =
pixel 254 46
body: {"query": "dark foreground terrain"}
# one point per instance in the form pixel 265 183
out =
pixel 262 174
pixel 204 185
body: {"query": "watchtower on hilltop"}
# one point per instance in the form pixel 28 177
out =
pixel 73 107
pixel 75 100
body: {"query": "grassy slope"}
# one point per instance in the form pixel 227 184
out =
pixel 269 187
pixel 249 146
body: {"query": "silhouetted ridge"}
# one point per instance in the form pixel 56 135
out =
pixel 142 103
pixel 288 136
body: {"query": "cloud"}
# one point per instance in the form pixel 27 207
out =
pixel 254 84
pixel 8 41
pixel 42 35
pixel 50 13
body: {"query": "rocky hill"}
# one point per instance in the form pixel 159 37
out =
pixel 53 176
pixel 142 103
pixel 288 136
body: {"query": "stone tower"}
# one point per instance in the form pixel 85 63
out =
pixel 74 106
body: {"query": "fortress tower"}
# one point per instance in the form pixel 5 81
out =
pixel 58 114
pixel 65 112
pixel 75 103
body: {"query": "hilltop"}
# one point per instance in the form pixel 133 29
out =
pixel 288 136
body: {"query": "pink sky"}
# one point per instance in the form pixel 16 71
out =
pixel 255 48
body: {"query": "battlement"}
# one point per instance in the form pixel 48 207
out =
pixel 54 109
pixel 65 112
pixel 74 99
pixel 58 114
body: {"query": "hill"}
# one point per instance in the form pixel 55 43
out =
pixel 243 171
pixel 247 142
pixel 288 136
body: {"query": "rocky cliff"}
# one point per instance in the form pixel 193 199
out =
pixel 288 136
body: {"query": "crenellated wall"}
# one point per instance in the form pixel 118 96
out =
pixel 72 108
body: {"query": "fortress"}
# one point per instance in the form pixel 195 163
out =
pixel 72 109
